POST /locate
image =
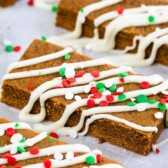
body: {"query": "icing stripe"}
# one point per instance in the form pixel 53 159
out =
pixel 40 59
pixel 22 125
pixel 43 4
pixel 27 143
pixel 24 113
pixel 50 151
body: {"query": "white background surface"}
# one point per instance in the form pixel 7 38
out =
pixel 22 24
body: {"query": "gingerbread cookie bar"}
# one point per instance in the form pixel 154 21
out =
pixel 85 96
pixel 22 147
pixel 117 23
pixel 5 3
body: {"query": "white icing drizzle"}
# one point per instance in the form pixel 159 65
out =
pixel 50 151
pixel 22 125
pixel 73 106
pixel 158 38
pixel 27 143
pixel 44 4
pixel 25 112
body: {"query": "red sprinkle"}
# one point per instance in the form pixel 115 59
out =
pixel 97 95
pixel 7 156
pixel 59 87
pixel 95 73
pixel 47 163
pixel 91 103
pixel 99 158
pixel 93 90
pixel 54 135
pixel 122 80
pixel 117 93
pixel 11 160
pixel 17 48
pixel 120 10
pixel 18 167
pixel 10 132
pixel 30 2
pixel 103 103
pixel 34 151
pixel 71 80
pixel 109 98
pixel 144 85
pixel 65 83
pixel 31 87
pixel 166 98
pixel 80 74
pixel 76 154
pixel 3 166
pixel 162 101
pixel 157 151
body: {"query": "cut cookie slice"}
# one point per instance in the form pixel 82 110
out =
pixel 22 147
pixel 85 96
pixel 6 3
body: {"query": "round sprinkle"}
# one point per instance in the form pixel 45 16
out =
pixel 34 151
pixel 152 101
pixel 91 103
pixel 54 9
pixel 43 38
pixel 131 103
pixel 158 115
pixel 162 101
pixel 76 154
pixel 90 160
pixel 141 107
pixel 31 87
pixel 21 149
pixel 99 158
pixel 11 160
pixel 70 72
pixel 82 10
pixel 95 73
pixel 122 80
pixel 113 88
pixel 6 156
pixel 62 72
pixel 162 107
pixel 100 85
pixel 120 10
pixel 67 57
pixel 16 138
pixel 9 48
pixel 47 163
pixel 142 98
pixel 120 89
pixel 80 74
pixel 10 132
pixel 71 80
pixel 69 155
pixel 65 83
pixel 144 85
pixel 102 90
pixel 151 19
pixel 87 88
pixel 31 3
pixel 97 95
pixel 13 151
pixel 122 75
pixel 58 156
pixel 2 132
pixel 122 97
pixel 73 133
pixel 93 90
pixel 17 48
pixel 77 98
pixel 103 103
pixel 109 98
pixel 54 135
pixel 51 140
pixel 157 151
pixel 17 125
pixel 69 95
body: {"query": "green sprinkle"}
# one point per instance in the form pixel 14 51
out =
pixel 142 98
pixel 62 72
pixel 9 48
pixel 23 139
pixel 152 101
pixel 102 90
pixel 17 125
pixel 162 107
pixel 100 85
pixel 54 9
pixel 151 19
pixel 67 57
pixel 51 140
pixel 90 160
pixel 122 97
pixel 43 38
pixel 121 75
pixel 21 149
pixel 113 88
pixel 131 103
pixel 82 10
